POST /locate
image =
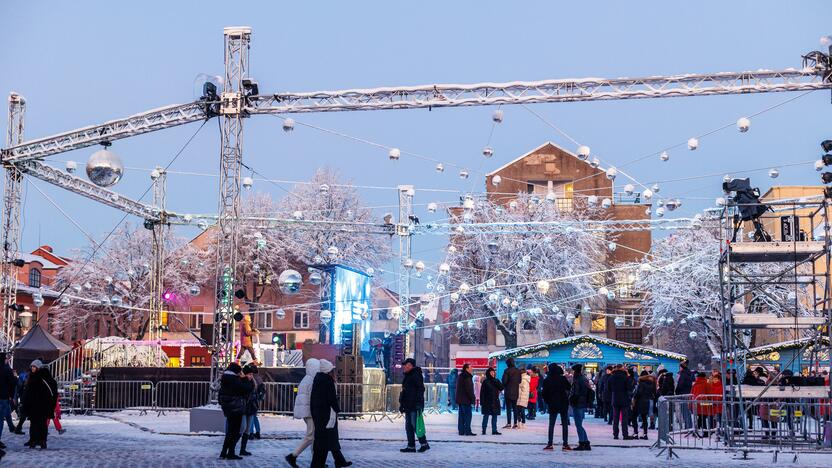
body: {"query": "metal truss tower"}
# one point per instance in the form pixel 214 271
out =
pixel 232 110
pixel 774 277
pixel 404 231
pixel 157 267
pixel 11 222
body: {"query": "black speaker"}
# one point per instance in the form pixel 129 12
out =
pixel 206 332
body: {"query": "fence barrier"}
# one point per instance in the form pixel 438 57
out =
pixel 768 424
pixel 355 399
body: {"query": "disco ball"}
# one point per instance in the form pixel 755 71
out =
pixel 629 189
pixel 104 168
pixel 444 269
pixel 664 156
pixel 440 167
pixel 464 288
pixel 542 286
pixel 396 312
pixel 619 321
pixel 583 152
pixel 280 314
pixel 497 116
pixel 315 278
pixel 371 271
pixel 289 282
pixel 773 173
pixel 37 300
pixel 432 207
pixel 693 334
pixel 76 288
pixel 64 301
pixel 326 316
pixel 454 296
pixel 116 300
pixel 496 180
pixel 488 151
pixel 194 290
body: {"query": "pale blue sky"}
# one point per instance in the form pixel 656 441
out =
pixel 85 62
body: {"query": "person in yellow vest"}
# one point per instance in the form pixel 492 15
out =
pixel 246 332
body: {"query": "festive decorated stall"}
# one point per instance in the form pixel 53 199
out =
pixel 793 355
pixel 594 352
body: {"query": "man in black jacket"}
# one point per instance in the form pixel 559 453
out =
pixel 606 395
pixel 511 382
pixel 621 387
pixel 7 388
pixel 556 395
pixel 465 398
pixel 411 403
pixel 41 398
pixel 684 387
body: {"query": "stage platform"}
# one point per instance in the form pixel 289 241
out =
pixel 193 374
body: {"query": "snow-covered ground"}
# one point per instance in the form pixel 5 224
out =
pixel 130 439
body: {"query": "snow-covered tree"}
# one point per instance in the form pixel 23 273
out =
pixel 539 279
pixel 683 290
pixel 113 280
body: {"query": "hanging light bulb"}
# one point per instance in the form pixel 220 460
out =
pixel 693 143
pixel 440 167
pixel 595 162
pixel 497 116
pixel 495 181
pixel 664 156
pixel 71 167
pixel 288 124
pixel 583 152
pixel 612 173
pixel 743 124
pixel 463 174
pixel 247 182
pixel 464 288
pixel 488 151
pixel 606 203
pixel 394 154
pixel 629 189
pixel 64 301
pixel 773 173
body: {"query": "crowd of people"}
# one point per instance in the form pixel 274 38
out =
pixel 620 395
pixel 33 395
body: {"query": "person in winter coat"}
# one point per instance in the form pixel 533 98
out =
pixel 302 410
pixel 631 372
pixel 41 398
pixel 7 387
pixel 599 402
pixel 233 397
pixel 534 381
pixel 703 406
pixel 511 383
pixel 260 394
pixel 412 403
pixel 606 394
pixel 642 399
pixel 490 400
pixel 556 389
pixel 523 399
pixel 579 400
pixel 465 398
pixel 620 386
pixel 541 403
pixel 20 396
pixel 323 406
pixel 477 387
pixel 452 377
pixel 249 372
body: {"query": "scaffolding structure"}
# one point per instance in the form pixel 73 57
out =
pixel 774 278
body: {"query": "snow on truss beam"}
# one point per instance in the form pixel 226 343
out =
pixel 145 122
pixel 528 92
pixel 528 227
pixel 88 189
pixel 279 223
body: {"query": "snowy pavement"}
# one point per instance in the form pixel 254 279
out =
pixel 151 441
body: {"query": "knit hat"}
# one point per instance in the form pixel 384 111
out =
pixel 37 363
pixel 326 366
pixel 234 367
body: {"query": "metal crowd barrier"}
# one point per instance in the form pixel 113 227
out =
pixel 376 401
pixel 765 425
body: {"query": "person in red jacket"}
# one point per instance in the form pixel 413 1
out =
pixel 534 372
pixel 703 404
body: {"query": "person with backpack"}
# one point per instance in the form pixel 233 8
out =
pixel 581 397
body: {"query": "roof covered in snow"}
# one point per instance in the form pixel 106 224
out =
pixel 528 153
pixel 529 349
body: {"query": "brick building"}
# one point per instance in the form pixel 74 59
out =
pixel 552 169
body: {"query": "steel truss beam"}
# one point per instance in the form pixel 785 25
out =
pixel 439 95
pixel 11 224
pixel 88 189
pixel 529 92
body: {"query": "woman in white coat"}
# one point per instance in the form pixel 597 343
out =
pixel 523 399
pixel 302 410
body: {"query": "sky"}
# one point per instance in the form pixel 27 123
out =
pixel 85 62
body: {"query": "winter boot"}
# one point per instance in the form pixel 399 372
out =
pixel 644 437
pixel 257 435
pixel 581 447
pixel 587 447
pixel 292 460
pixel 243 444
pixel 566 448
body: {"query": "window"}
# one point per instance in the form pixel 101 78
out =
pixel 599 323
pixel 163 318
pixel 265 320
pixel 629 335
pixel 564 191
pixel 197 360
pixel 34 278
pixel 195 320
pixel 301 319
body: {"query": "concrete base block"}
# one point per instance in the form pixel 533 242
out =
pixel 207 418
